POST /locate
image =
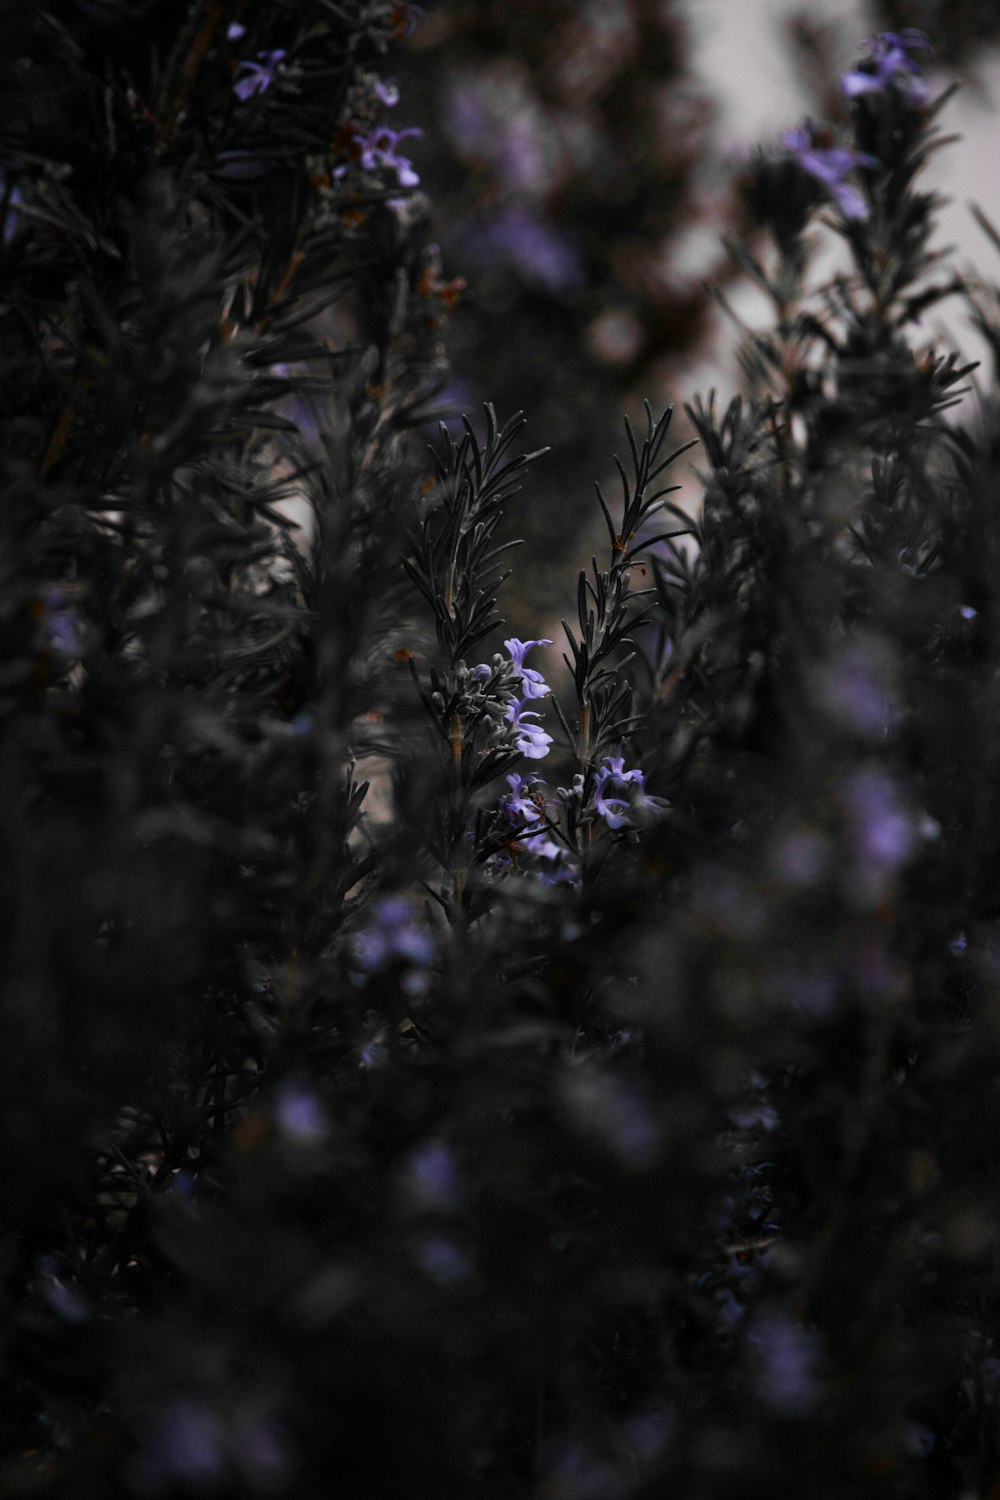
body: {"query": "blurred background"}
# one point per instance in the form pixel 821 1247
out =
pixel 585 158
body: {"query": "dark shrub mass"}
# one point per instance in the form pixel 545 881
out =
pixel 415 1084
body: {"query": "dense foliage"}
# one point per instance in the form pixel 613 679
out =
pixel 385 1113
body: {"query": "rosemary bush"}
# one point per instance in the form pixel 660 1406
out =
pixel 387 1113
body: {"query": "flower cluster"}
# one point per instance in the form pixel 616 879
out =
pixel 629 799
pixel 890 67
pixel 510 687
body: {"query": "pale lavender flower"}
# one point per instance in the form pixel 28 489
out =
pixel 393 934
pixel 378 151
pixel 830 166
pixel 532 740
pixel 234 31
pixel 518 804
pixel 891 66
pixel 616 1114
pixel 615 810
pixel 260 75
pixel 854 690
pixel 533 684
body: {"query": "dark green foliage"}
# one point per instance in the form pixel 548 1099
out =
pixel 379 1119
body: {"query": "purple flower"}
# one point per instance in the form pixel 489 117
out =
pixel 234 31
pixel 186 1446
pixel 532 740
pixel 393 934
pixel 378 151
pixel 300 1116
pixel 386 93
pixel 63 1299
pixel 519 804
pixel 882 828
pixel 433 1178
pixel 830 166
pixel 11 198
pixel 61 630
pixel 786 1364
pixel 616 1114
pixel 540 252
pixel 532 683
pixel 890 65
pixel 260 76
pixel 854 689
pixel 615 810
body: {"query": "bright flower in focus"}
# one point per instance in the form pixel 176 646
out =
pixel 532 683
pixel 531 740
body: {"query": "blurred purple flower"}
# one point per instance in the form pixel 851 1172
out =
pixel 883 829
pixel 260 76
pixel 890 65
pixel 386 93
pixel 752 1116
pixel 575 1474
pixel 830 167
pixel 540 252
pixel 186 1446
pixel 393 934
pixel 441 1259
pixel 234 31
pixel 61 633
pixel 433 1176
pixel 853 690
pixel 378 152
pixel 616 1114
pixel 300 1115
pixel 786 1363
pixel 11 198
pixel 64 1300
